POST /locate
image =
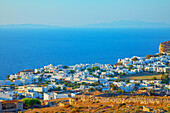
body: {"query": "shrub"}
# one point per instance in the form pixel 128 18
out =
pixel 97 101
pixel 143 88
pixel 65 67
pixel 120 91
pixel 167 108
pixel 30 102
pixel 148 56
pixel 153 78
pixel 67 106
pixel 74 110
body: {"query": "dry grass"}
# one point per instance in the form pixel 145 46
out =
pixel 93 107
pixel 142 77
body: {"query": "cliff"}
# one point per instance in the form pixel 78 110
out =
pixel 164 47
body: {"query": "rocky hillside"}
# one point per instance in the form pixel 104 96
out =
pixel 164 47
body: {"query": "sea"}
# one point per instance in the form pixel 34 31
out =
pixel 30 48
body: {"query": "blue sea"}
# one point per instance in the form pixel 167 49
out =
pixel 33 48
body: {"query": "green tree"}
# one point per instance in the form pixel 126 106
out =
pixel 64 88
pixel 21 96
pixel 65 67
pixel 71 71
pixel 58 88
pixel 134 59
pixel 152 84
pixel 148 56
pixel 95 68
pixel 39 79
pixel 165 78
pixel 121 74
pixel 127 80
pixel 130 67
pixel 8 76
pixel 16 95
pixel 90 89
pixel 120 91
pixel 34 80
pixel 153 78
pixel 30 102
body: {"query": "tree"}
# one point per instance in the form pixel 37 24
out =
pixel 127 81
pixel 8 76
pixel 100 89
pixel 16 95
pixel 65 67
pixel 153 78
pixel 121 74
pixel 34 80
pixel 46 82
pixel 12 86
pixel 148 56
pixel 21 96
pixel 30 102
pixel 95 89
pixel 41 75
pixel 74 87
pixel 136 84
pixel 71 71
pixel 57 82
pixel 112 86
pixel 130 67
pixel 49 76
pixel 90 89
pixel 58 88
pixel 120 91
pixel 39 79
pixel 64 88
pixel 134 59
pixel 152 84
pixel 143 88
pixel 83 83
pixel 95 68
pixel 165 78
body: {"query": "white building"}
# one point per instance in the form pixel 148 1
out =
pixel 50 96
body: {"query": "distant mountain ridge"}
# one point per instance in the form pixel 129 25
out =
pixel 28 26
pixel 114 24
pixel 128 24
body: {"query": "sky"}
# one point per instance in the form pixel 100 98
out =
pixel 69 13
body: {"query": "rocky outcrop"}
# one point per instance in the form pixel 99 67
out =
pixel 164 47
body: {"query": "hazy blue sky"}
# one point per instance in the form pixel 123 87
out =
pixel 81 12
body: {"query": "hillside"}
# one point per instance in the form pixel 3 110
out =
pixel 164 47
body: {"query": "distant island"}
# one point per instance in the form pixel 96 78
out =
pixel 114 24
pixel 128 24
pixel 28 26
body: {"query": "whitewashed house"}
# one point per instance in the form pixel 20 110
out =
pixel 50 96
pixel 5 96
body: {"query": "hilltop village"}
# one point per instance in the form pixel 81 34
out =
pixel 93 82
